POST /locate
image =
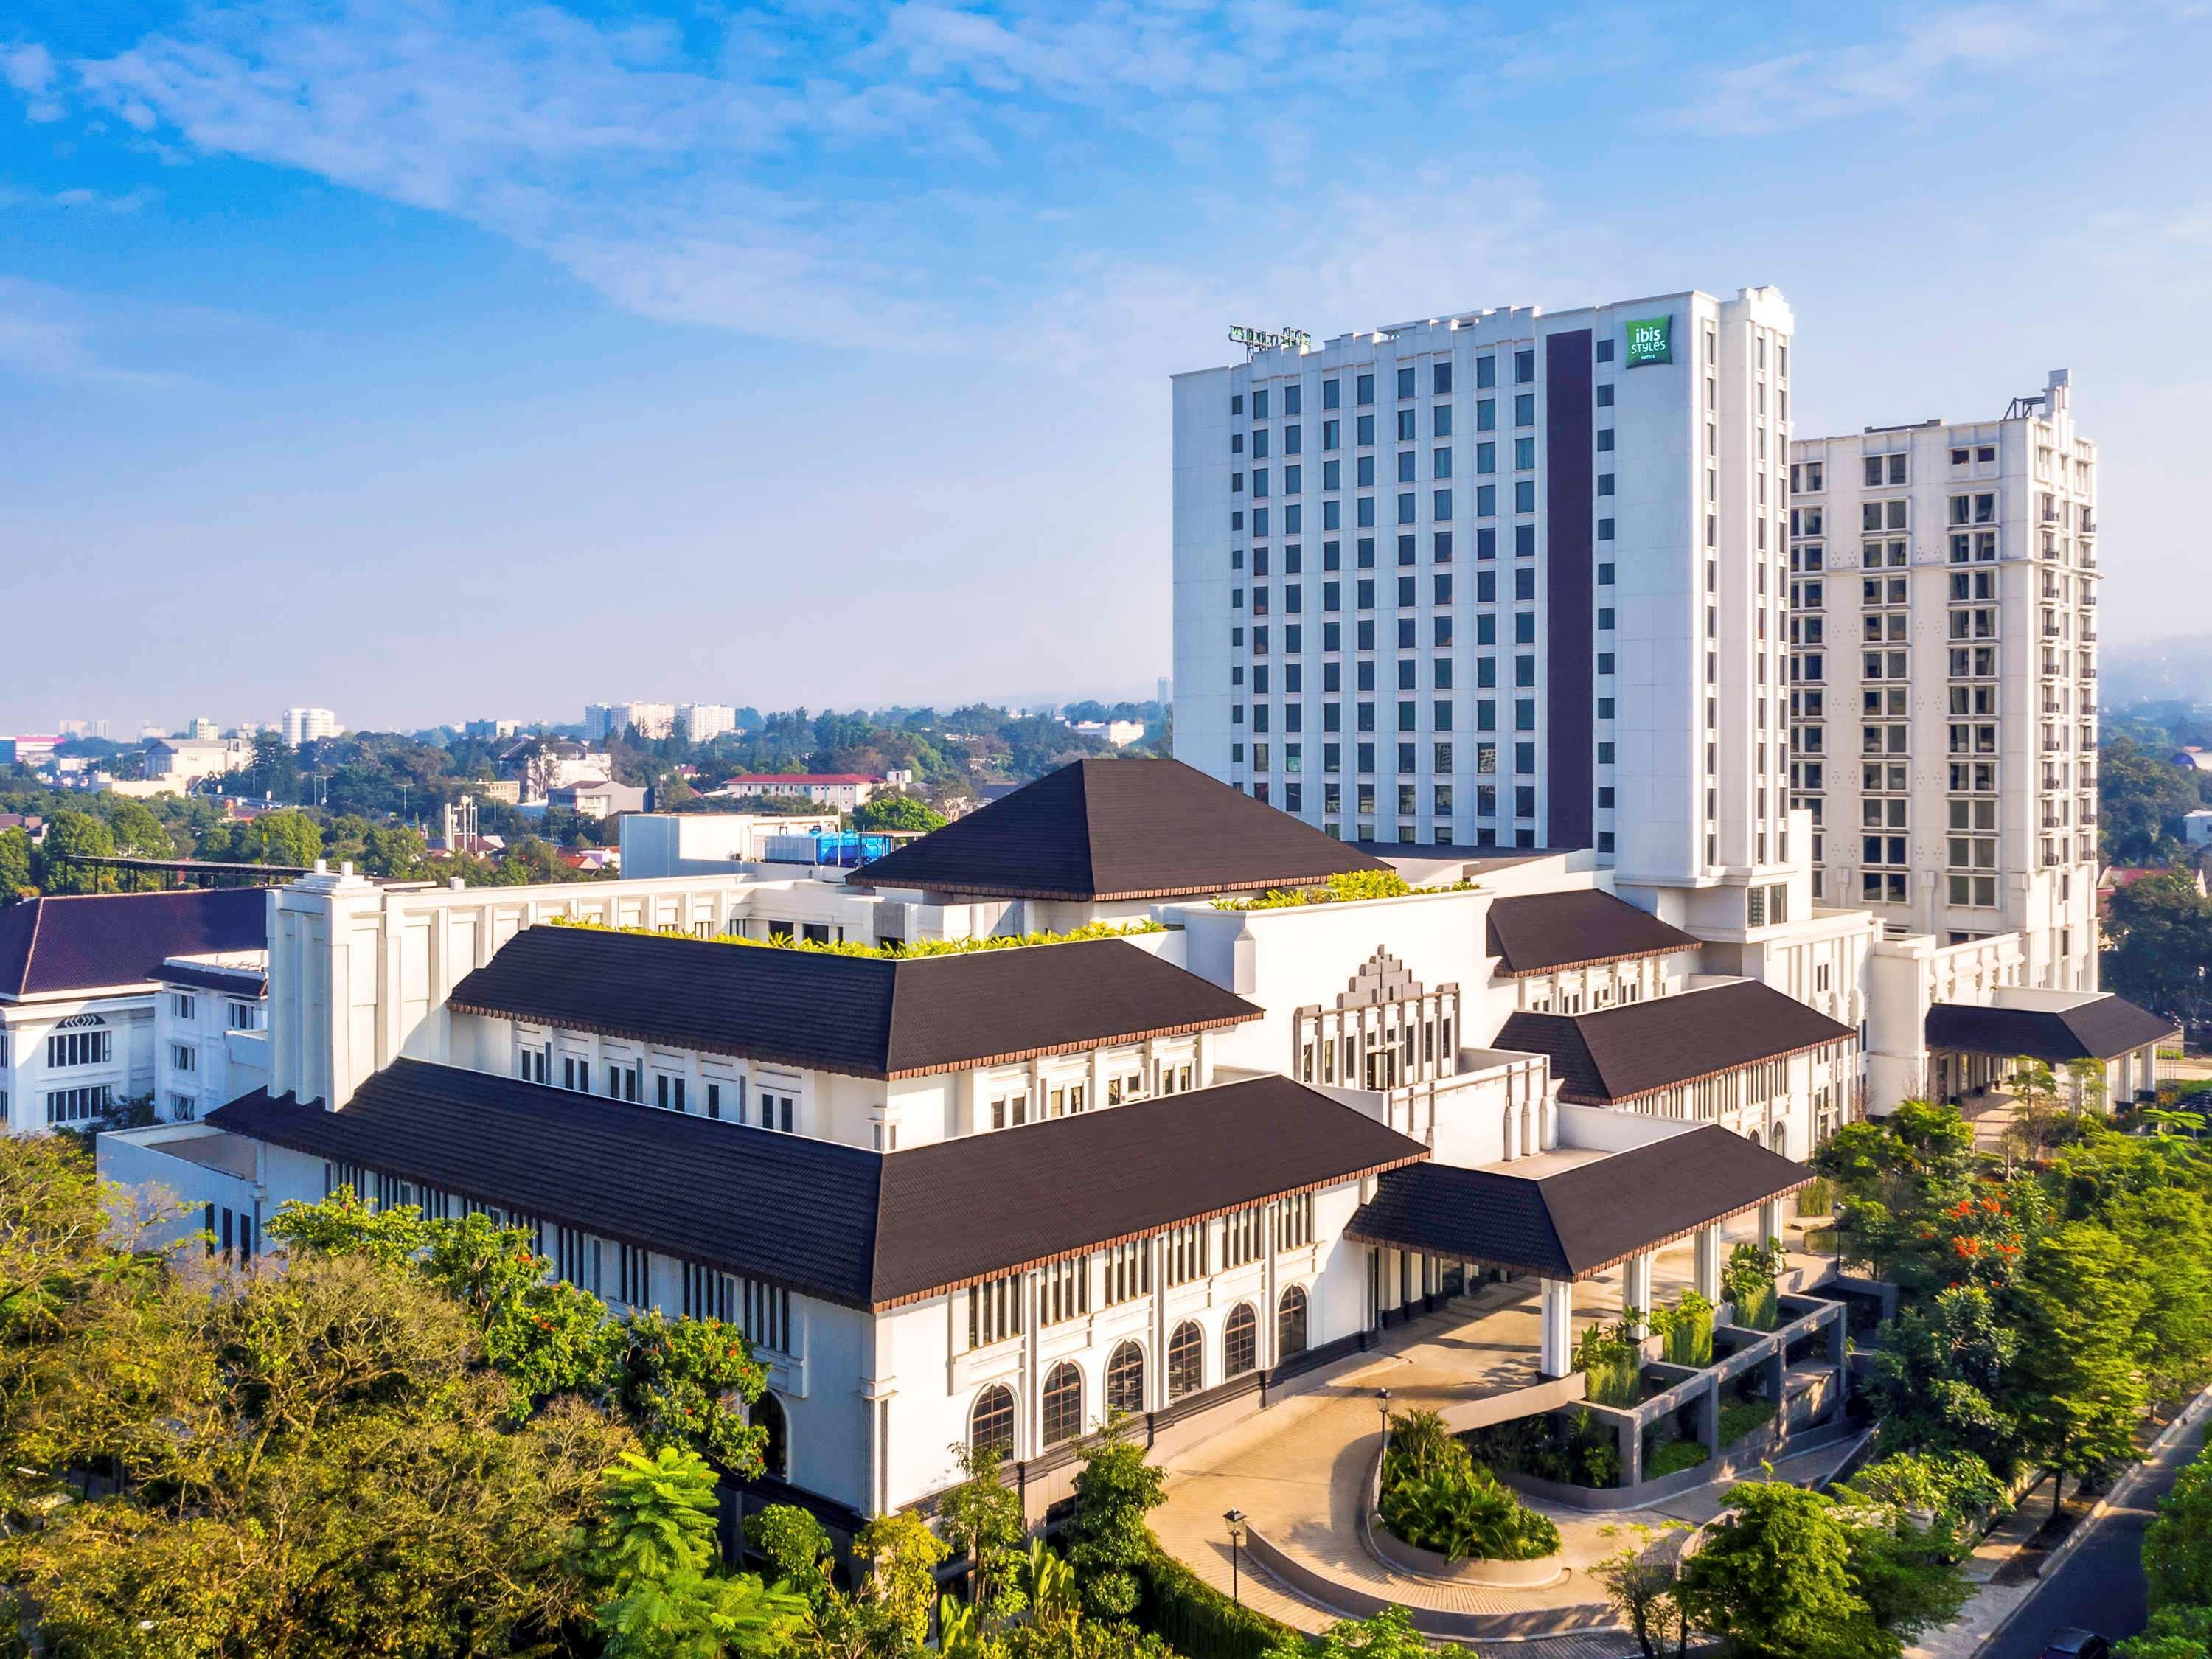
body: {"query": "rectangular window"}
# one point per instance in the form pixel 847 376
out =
pixel 79 1105
pixel 1064 1292
pixel 1127 1267
pixel 1185 1252
pixel 995 1310
pixel 79 1048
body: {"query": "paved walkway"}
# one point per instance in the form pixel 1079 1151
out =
pixel 1299 1470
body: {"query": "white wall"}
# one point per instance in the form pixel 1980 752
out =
pixel 25 1077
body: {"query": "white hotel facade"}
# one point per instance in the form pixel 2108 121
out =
pixel 991 1196
pixel 1510 578
pixel 1943 678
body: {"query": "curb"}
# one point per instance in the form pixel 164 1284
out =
pixel 2180 1425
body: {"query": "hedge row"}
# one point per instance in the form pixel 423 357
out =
pixel 1199 1622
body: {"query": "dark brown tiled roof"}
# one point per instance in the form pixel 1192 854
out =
pixel 1579 1221
pixel 2101 1029
pixel 827 1220
pixel 1541 933
pixel 863 1016
pixel 206 977
pixel 82 943
pixel 1618 1053
pixel 1118 829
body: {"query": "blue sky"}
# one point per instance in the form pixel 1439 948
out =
pixel 425 360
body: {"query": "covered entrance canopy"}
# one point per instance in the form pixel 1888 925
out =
pixel 1579 1221
pixel 1971 1045
pixel 1575 1222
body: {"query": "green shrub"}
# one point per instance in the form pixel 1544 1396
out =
pixel 1199 1622
pixel 1613 1364
pixel 1816 1198
pixel 1672 1456
pixel 1955 1486
pixel 1466 1514
pixel 1687 1330
pixel 1342 888
pixel 1574 1450
pixel 1748 1281
pixel 1740 1417
pixel 1420 1445
pixel 919 947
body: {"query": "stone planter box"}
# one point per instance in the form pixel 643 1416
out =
pixel 1494 1575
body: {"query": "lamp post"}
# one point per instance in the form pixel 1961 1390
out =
pixel 1236 1520
pixel 1382 1406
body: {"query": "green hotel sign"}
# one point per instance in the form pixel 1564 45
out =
pixel 1650 340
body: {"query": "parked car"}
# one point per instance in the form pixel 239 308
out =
pixel 2069 1642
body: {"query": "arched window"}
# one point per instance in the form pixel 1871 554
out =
pixel 1779 1141
pixel 1186 1360
pixel 1291 1323
pixel 1063 1404
pixel 992 1423
pixel 1125 1379
pixel 1240 1341
pixel 1755 1137
pixel 775 1453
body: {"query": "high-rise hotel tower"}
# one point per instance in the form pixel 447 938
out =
pixel 1506 578
pixel 1944 685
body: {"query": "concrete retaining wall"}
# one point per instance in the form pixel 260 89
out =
pixel 1493 1575
pixel 1355 1603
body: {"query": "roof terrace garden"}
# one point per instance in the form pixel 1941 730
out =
pixel 1345 887
pixel 907 950
pixel 864 1013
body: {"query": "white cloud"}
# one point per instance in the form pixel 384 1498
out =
pixel 1934 60
pixel 823 178
pixel 129 201
pixel 30 71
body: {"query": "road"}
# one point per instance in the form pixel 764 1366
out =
pixel 2100 1585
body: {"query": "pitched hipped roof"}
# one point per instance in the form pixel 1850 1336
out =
pixel 866 1016
pixel 1578 1221
pixel 1118 829
pixel 1618 1053
pixel 1542 933
pixel 2103 1029
pixel 89 941
pixel 864 1228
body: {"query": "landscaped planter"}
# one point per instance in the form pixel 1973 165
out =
pixel 1495 1575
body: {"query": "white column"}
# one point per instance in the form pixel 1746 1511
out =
pixel 1556 1312
pixel 1770 1220
pixel 1635 1290
pixel 1705 1268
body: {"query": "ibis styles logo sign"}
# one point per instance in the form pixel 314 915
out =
pixel 1650 340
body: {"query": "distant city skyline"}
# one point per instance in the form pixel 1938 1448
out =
pixel 419 357
pixel 130 728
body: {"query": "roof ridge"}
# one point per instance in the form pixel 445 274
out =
pixel 31 943
pixel 1090 828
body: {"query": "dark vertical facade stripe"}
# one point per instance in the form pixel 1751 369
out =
pixel 1569 585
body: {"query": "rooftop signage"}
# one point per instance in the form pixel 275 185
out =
pixel 1650 340
pixel 1259 339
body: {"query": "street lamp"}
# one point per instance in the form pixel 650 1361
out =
pixel 1236 1520
pixel 1382 1406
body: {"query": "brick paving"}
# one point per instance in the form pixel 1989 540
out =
pixel 1299 1472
